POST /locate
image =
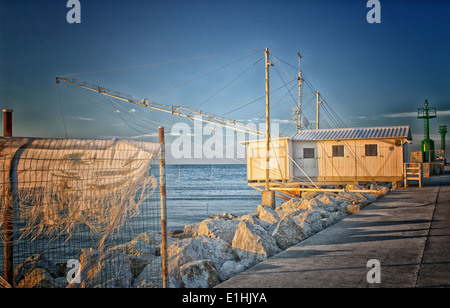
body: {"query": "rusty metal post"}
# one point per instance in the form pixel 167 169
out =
pixel 8 209
pixel 162 185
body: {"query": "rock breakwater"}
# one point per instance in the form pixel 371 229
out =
pixel 214 250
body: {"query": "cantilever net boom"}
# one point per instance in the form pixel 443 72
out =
pixel 186 112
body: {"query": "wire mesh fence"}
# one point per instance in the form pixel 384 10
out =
pixel 80 213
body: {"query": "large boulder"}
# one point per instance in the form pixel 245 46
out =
pixel 359 197
pixel 114 269
pixel 291 203
pixel 290 209
pixel 199 248
pixel 349 208
pixel 383 188
pixel 309 216
pixel 310 222
pixel 151 276
pixel 232 268
pixel 310 194
pixel 333 218
pixel 288 233
pixel 33 262
pixel 254 242
pixel 267 214
pixel 199 274
pixel 326 202
pixel 219 228
pixel 352 197
pixel 191 230
pixel 152 272
pixel 38 278
pixel 142 249
pixel 289 212
pixel 342 199
pixel 253 218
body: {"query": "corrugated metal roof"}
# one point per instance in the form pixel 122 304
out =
pixel 355 133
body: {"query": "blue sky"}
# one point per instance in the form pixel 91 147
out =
pixel 369 74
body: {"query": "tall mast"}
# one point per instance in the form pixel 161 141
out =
pixel 318 103
pixel 267 118
pixel 268 196
pixel 300 80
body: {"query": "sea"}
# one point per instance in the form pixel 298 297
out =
pixel 195 192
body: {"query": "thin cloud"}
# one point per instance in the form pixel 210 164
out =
pixel 400 115
pixel 80 118
pixel 281 121
pixel 413 114
pixel 443 112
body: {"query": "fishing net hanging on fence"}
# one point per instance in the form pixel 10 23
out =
pixel 63 183
pixel 59 187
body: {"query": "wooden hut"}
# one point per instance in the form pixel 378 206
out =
pixel 332 156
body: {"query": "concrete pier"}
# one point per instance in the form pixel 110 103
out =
pixel 407 232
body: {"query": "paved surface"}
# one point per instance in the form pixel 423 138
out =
pixel 407 231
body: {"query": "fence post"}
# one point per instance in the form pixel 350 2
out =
pixel 162 185
pixel 8 209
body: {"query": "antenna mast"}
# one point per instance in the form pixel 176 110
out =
pixel 299 110
pixel 317 114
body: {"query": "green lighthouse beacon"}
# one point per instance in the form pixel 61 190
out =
pixel 427 144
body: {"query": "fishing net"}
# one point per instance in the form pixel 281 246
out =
pixel 64 188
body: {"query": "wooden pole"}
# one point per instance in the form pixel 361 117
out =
pixel 268 197
pixel 162 185
pixel 267 119
pixel 8 209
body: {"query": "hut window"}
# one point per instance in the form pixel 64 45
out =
pixel 338 151
pixel 371 150
pixel 308 152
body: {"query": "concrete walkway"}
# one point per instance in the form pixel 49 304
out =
pixel 407 231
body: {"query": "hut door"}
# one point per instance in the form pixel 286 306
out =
pixel 306 156
pixel 381 159
pixel 389 161
pixel 337 160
